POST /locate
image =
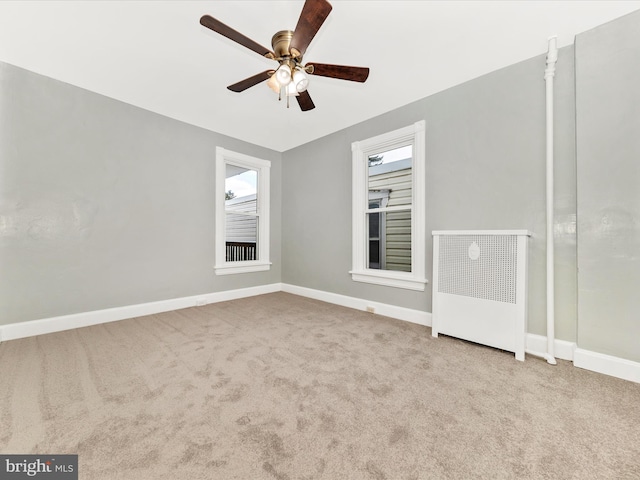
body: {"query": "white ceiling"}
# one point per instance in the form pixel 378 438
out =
pixel 156 55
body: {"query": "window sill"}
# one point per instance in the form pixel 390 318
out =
pixel 241 267
pixel 389 279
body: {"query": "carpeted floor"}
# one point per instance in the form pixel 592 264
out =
pixel 284 387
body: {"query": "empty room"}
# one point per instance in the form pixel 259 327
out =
pixel 311 239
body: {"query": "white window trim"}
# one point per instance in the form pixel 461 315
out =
pixel 222 267
pixel 416 279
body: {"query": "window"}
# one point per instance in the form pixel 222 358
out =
pixel 242 213
pixel 388 209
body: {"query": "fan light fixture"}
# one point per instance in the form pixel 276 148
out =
pixel 283 74
pixel 291 90
pixel 293 80
pixel 300 80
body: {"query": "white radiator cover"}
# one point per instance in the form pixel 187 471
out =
pixel 480 287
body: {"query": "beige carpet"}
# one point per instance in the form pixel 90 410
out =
pixel 284 387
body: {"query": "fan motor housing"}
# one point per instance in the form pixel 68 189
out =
pixel 280 43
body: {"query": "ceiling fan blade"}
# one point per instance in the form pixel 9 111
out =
pixel 305 102
pixel 311 19
pixel 343 72
pixel 219 27
pixel 242 85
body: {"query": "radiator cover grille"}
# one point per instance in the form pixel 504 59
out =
pixel 492 276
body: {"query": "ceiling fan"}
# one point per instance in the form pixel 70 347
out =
pixel 290 77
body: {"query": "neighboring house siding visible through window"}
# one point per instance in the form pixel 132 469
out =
pixel 395 227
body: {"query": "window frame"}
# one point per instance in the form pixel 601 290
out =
pixel 263 167
pixel 416 279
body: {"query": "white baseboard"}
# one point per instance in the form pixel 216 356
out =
pixel 607 364
pixel 537 345
pixel 401 313
pixel 13 331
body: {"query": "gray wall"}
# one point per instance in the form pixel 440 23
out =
pixel 485 153
pixel 103 204
pixel 608 147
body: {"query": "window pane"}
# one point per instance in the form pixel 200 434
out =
pixel 241 237
pixel 376 203
pixel 241 189
pixel 374 254
pixel 389 177
pixel 389 240
pixel 241 233
pixel 374 225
